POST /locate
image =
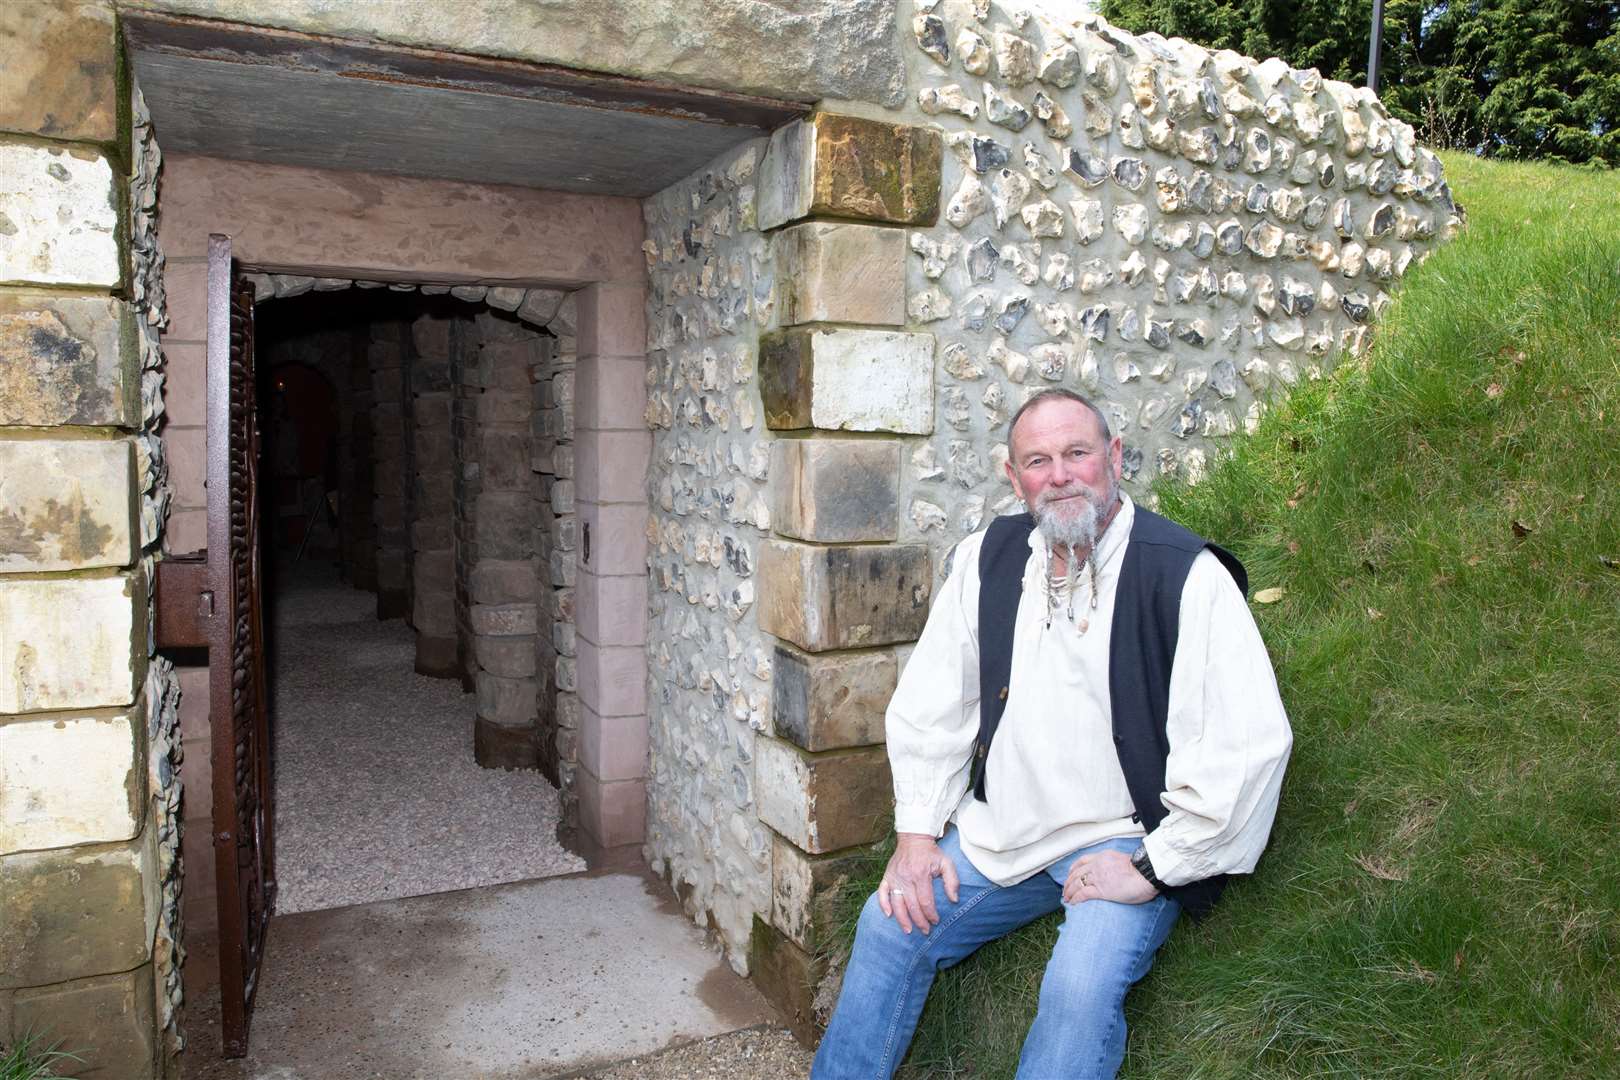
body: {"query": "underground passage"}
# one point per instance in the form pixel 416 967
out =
pixel 357 626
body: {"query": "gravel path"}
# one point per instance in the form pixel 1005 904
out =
pixel 750 1054
pixel 377 792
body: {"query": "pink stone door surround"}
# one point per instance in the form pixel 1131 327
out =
pixel 387 228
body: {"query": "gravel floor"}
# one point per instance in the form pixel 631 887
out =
pixel 751 1054
pixel 377 793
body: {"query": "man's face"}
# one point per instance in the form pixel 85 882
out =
pixel 1062 467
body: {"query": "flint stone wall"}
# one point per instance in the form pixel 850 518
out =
pixel 709 293
pixel 1178 233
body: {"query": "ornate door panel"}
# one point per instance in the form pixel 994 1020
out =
pixel 244 847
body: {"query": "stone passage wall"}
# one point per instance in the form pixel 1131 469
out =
pixel 499 514
pixel 433 571
pixel 356 488
pixel 556 544
pixel 709 292
pixel 465 485
pixel 88 793
pixel 390 466
pixel 329 352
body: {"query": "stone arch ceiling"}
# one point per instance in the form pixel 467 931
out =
pixel 282 97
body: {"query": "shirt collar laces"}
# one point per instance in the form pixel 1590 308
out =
pixel 1061 590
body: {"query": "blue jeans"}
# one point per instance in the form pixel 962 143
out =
pixel 1079 1031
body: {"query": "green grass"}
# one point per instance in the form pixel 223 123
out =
pixel 1441 897
pixel 27 1059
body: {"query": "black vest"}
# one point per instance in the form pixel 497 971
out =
pixel 1147 616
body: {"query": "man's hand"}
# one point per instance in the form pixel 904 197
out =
pixel 1106 875
pixel 907 892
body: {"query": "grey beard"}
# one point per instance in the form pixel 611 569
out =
pixel 1077 533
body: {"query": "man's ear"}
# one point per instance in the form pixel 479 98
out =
pixel 1012 477
pixel 1116 457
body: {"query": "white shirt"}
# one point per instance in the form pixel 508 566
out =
pixel 1053 779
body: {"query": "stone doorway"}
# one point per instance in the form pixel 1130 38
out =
pixel 410 206
pixel 455 456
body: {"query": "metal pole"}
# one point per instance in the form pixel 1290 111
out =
pixel 1374 46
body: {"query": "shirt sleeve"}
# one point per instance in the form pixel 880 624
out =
pixel 1229 736
pixel 933 717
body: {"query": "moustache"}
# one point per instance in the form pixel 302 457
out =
pixel 1050 496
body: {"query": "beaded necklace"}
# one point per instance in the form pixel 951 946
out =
pixel 1064 586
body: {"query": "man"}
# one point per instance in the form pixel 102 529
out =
pixel 1089 721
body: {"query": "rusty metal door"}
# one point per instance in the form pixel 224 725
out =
pixel 244 844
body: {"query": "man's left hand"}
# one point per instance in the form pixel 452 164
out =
pixel 1106 875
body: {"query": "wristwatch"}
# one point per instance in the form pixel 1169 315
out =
pixel 1144 866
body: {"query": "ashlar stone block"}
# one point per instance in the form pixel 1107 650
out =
pixel 70 643
pixel 437 656
pixel 75 912
pixel 505 524
pixel 498 747
pixel 851 380
pixel 433 610
pixel 805 888
pixel 540 306
pixel 70 779
pixel 849 167
pixel 60 65
pixel 496 582
pixel 66 504
pixel 823 802
pixel 507 657
pixel 833 700
pixel 505 620
pixel 67 359
pixel 836 490
pixel 788 975
pixel 59 225
pixel 505 461
pixel 507 702
pixel 431 335
pixel 834 271
pixel 844 596
pixel 108 1020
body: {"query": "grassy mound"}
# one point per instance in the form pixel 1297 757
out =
pixel 1442 892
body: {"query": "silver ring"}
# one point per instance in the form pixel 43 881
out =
pixel 897 892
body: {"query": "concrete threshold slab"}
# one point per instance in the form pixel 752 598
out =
pixel 509 982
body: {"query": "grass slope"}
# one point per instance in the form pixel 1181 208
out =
pixel 1442 892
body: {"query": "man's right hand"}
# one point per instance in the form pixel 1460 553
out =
pixel 907 892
